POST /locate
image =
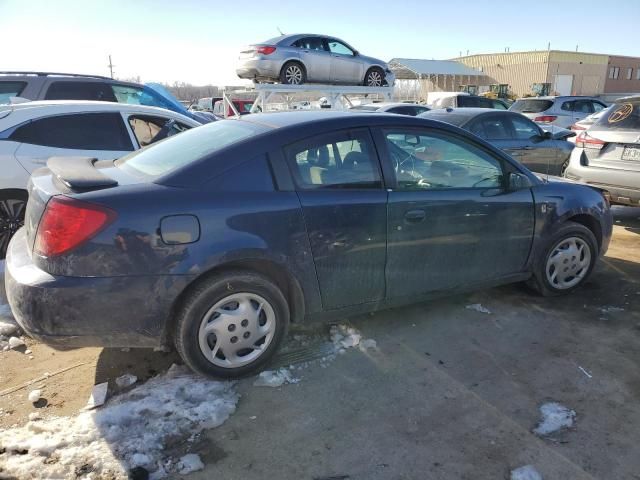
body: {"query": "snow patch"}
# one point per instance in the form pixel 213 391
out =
pixel 189 463
pixel 15 342
pixel 611 309
pixel 528 472
pixel 275 378
pixel 478 308
pixel 126 380
pixel 34 395
pixel 554 417
pixel 130 430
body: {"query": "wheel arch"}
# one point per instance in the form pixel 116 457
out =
pixel 277 273
pixel 590 222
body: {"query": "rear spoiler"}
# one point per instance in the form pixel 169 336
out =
pixel 79 173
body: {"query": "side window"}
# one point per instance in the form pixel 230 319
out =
pixel 310 43
pixel 477 129
pixel 426 161
pixel 498 105
pixel 523 128
pixel 148 129
pixel 83 131
pixel 420 110
pixel 64 90
pixel 10 89
pixel 339 48
pixel 338 160
pixel 583 106
pixel 496 128
pixel 597 106
pixel 568 106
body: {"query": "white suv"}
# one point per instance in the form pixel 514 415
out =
pixel 32 132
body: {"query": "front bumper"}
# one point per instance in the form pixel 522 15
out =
pixel 88 311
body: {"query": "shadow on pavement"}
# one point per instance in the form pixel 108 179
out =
pixel 627 217
pixel 144 363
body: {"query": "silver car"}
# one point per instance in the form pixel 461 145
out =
pixel 608 153
pixel 308 58
pixel 561 111
pixel 411 109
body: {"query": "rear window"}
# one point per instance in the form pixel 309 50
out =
pixel 531 105
pixel 10 89
pixel 188 147
pixel 448 117
pixel 65 90
pixel 472 102
pixel 622 116
pixel 366 108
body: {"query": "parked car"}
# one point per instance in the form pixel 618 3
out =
pixel 243 107
pixel 608 153
pixel 438 100
pixel 586 122
pixel 561 111
pixel 541 151
pixel 307 58
pixel 411 109
pixel 216 239
pixel 67 86
pixel 32 132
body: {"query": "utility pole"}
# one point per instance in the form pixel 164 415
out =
pixel 111 65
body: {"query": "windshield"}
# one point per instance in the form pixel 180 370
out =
pixel 188 147
pixel 531 105
pixel 621 116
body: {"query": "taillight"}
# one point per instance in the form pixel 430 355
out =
pixel 67 223
pixel 268 50
pixel 584 140
pixel 545 119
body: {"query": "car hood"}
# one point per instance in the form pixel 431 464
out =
pixel 175 105
pixel 364 58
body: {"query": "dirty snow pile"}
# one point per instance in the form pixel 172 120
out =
pixel 528 472
pixel 136 429
pixel 275 378
pixel 554 417
pixel 9 329
pixel 478 308
pixel 343 337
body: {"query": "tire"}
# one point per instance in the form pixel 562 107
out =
pixel 374 77
pixel 293 73
pixel 247 293
pixel 575 249
pixel 12 209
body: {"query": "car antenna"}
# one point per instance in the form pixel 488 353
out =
pixel 281 32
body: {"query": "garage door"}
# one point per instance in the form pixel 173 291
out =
pixel 562 84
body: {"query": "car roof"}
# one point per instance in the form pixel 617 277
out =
pixel 558 97
pixel 388 104
pixel 460 116
pixel 45 107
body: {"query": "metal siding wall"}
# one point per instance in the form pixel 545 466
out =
pixel 519 69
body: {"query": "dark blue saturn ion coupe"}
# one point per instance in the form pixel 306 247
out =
pixel 215 239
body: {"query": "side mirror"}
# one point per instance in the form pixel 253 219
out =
pixel 356 53
pixel 518 181
pixel 547 135
pixel 412 140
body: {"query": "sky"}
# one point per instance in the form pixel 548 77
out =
pixel 198 42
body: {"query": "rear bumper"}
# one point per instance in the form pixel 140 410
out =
pixel 258 69
pixel 622 185
pixel 87 311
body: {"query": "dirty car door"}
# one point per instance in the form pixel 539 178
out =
pixel 339 184
pixel 452 223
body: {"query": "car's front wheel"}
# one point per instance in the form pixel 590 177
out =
pixel 13 204
pixel 293 73
pixel 567 260
pixel 374 77
pixel 231 325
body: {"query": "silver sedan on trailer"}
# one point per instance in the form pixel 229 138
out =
pixel 307 58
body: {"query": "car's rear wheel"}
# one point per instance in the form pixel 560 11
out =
pixel 567 260
pixel 12 208
pixel 231 325
pixel 374 77
pixel 293 73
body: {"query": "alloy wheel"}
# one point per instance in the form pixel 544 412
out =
pixel 11 219
pixel 237 330
pixel 568 263
pixel 293 75
pixel 374 79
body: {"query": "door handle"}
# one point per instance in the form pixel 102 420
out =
pixel 527 148
pixel 415 216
